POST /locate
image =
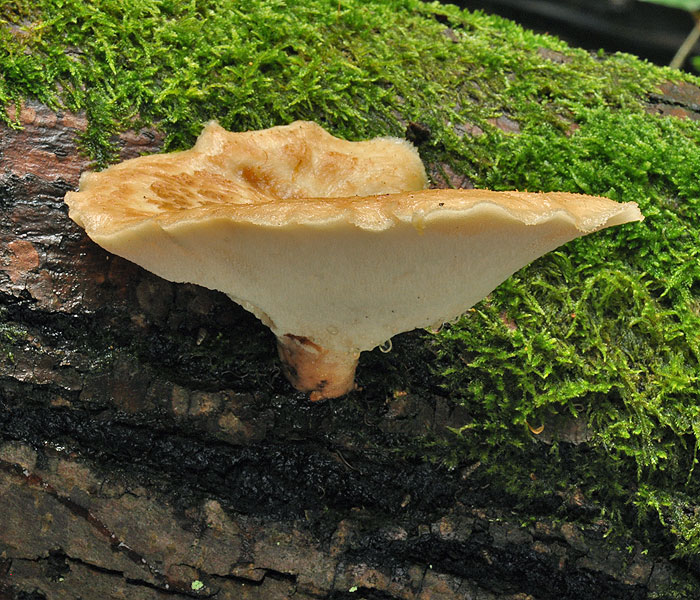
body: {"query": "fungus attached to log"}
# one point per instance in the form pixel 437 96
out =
pixel 334 245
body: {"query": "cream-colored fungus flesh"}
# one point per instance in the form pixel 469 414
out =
pixel 334 245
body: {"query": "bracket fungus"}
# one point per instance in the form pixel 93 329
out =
pixel 334 245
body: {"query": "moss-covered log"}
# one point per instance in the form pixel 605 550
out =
pixel 543 446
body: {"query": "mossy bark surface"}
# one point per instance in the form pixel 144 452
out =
pixel 543 446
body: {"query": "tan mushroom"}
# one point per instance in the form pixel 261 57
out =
pixel 334 245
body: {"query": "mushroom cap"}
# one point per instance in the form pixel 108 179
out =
pixel 225 169
pixel 327 241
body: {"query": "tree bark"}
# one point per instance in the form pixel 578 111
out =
pixel 150 447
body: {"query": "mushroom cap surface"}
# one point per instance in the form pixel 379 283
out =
pixel 226 169
pixel 327 241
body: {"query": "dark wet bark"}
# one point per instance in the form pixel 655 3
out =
pixel 150 447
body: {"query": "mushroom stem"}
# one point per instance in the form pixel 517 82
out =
pixel 311 368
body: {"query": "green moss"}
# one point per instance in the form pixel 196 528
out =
pixel 359 68
pixel 606 329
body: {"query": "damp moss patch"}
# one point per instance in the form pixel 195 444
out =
pixel 603 332
pixel 359 68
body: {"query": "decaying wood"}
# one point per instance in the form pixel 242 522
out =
pixel 134 463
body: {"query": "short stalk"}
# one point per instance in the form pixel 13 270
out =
pixel 318 371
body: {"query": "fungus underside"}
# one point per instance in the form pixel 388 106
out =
pixel 606 328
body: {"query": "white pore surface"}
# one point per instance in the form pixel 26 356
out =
pixel 346 288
